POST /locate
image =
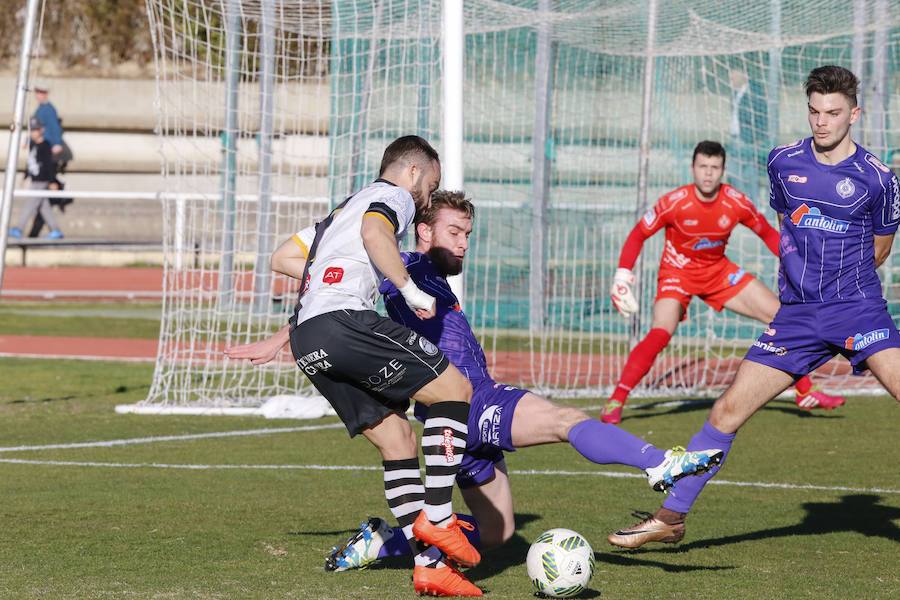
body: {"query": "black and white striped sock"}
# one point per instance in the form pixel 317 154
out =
pixel 444 444
pixel 404 491
pixel 405 495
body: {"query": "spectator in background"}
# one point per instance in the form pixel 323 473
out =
pixel 53 131
pixel 749 133
pixel 41 169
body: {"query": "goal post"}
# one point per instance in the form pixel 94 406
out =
pixel 265 131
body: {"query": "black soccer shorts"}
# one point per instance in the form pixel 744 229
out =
pixel 365 365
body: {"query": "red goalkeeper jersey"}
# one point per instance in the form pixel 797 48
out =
pixel 696 231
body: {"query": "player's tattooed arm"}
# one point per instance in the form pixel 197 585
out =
pixel 883 245
pixel 263 351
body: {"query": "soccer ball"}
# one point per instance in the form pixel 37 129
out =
pixel 560 563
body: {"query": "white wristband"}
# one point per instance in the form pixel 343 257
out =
pixel 416 298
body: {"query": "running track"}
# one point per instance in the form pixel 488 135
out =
pixel 117 283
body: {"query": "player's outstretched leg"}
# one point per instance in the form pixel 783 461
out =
pixel 637 366
pixel 810 396
pixel 539 421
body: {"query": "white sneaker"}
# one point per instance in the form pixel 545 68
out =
pixel 681 463
pixel 362 548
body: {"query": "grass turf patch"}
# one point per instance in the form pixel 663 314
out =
pixel 125 523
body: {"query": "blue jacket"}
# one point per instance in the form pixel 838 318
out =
pixel 46 114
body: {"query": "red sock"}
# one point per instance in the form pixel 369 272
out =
pixel 803 385
pixel 639 362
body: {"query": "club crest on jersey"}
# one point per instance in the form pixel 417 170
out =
pixel 845 188
pixel 812 218
pixel 724 221
pixel 706 244
pixel 797 178
pixel 863 340
pixel 427 347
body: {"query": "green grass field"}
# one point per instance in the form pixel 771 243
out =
pixel 252 516
pixel 246 517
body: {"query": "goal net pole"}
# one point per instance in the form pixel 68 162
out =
pixel 644 156
pixel 453 43
pixel 12 152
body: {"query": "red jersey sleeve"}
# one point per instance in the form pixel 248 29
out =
pixel 652 221
pixel 655 218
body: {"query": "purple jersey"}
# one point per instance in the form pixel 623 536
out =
pixel 448 329
pixel 829 216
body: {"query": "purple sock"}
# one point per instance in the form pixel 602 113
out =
pixel 684 493
pixel 398 546
pixel 607 444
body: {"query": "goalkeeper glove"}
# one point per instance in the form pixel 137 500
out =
pixel 621 293
pixel 415 298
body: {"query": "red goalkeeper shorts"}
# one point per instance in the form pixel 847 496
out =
pixel 715 285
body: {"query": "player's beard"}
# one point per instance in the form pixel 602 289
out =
pixel 445 261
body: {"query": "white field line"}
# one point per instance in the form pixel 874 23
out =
pixel 522 472
pixel 172 438
pixel 254 432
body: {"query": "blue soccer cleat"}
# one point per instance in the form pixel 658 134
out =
pixel 15 233
pixel 56 234
pixel 361 549
pixel 681 463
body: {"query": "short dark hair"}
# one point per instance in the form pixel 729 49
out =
pixel 408 148
pixel 831 79
pixel 709 148
pixel 455 200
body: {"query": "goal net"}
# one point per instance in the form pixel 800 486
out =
pixel 271 111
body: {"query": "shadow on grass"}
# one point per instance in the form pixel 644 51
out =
pixel 628 560
pixel 37 400
pixel 689 405
pixel 857 513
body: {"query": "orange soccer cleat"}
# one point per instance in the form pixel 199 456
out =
pixel 450 539
pixel 444 581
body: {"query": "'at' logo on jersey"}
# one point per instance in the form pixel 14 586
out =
pixel 706 244
pixel 333 275
pixel 812 218
pixel 863 340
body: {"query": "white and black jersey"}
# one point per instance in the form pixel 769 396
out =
pixel 340 274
